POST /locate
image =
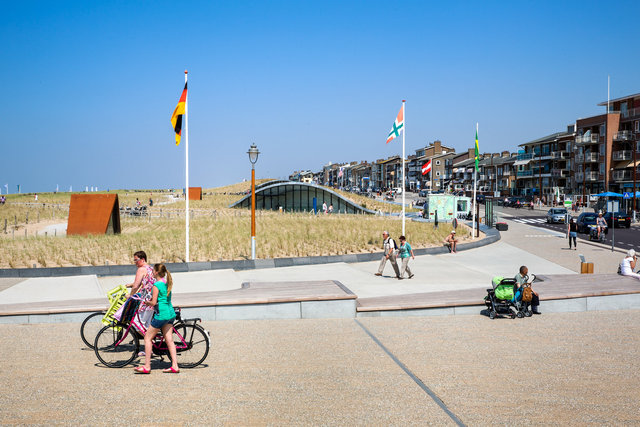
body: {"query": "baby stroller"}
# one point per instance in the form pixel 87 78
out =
pixel 505 299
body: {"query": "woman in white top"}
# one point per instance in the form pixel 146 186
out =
pixel 628 264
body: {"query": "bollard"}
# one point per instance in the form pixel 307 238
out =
pixel 27 217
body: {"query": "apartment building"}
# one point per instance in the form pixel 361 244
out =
pixel 497 173
pixel 622 144
pixel 434 151
pixel 544 166
pixel 463 165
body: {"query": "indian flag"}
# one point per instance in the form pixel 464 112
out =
pixel 398 125
pixel 477 154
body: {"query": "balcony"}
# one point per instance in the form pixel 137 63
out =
pixel 632 112
pixel 525 156
pixel 482 177
pixel 560 154
pixel 623 135
pixel 525 173
pixel 587 139
pixel 589 158
pixel 589 177
pixel 506 173
pixel 622 175
pixel 559 173
pixel 622 155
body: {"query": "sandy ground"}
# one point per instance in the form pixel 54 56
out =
pixel 567 369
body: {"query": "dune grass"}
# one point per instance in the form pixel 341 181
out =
pixel 221 234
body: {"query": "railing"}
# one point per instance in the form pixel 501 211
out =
pixel 559 172
pixel 622 175
pixel 525 173
pixel 525 156
pixel 482 177
pixel 559 154
pixel 632 112
pixel 588 139
pixel 623 135
pixel 590 176
pixel 506 173
pixel 622 155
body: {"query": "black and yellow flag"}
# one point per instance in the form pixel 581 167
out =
pixel 176 118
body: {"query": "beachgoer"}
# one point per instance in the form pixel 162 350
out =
pixel 451 241
pixel 628 264
pixel 162 320
pixel 405 251
pixel 324 208
pixel 572 229
pixel 142 286
pixel 523 277
pixel 330 209
pixel 390 253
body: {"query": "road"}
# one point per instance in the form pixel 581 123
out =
pixel 625 238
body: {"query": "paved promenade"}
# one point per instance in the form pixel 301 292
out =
pixel 580 368
pixel 560 369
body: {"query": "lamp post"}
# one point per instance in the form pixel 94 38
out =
pixel 253 158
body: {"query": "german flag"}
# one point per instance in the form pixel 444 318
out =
pixel 176 117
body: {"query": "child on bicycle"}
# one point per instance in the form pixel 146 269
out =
pixel 162 319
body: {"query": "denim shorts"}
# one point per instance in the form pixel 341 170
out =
pixel 573 234
pixel 158 324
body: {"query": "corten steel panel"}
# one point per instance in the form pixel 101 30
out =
pixel 195 193
pixel 613 124
pixel 93 214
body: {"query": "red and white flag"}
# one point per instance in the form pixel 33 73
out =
pixel 426 168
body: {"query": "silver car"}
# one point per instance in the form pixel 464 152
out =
pixel 557 215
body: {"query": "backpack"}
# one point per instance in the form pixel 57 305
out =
pixel 395 245
pixel 527 293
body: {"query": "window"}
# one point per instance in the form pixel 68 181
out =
pixel 603 130
pixel 602 148
pixel 637 125
pixel 437 173
pixel 437 162
pixel 602 168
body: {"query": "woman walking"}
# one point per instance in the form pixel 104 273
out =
pixel 162 320
pixel 405 252
pixel 572 228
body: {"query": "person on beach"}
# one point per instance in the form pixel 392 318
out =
pixel 162 320
pixel 523 277
pixel 390 253
pixel 572 230
pixel 628 265
pixel 405 251
pixel 451 241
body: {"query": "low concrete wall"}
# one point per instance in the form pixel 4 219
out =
pixel 491 236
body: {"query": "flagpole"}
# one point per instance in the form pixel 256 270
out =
pixel 475 174
pixel 186 157
pixel 404 132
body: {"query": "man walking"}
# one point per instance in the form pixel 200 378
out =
pixel 390 253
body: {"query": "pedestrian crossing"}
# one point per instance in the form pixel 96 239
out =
pixel 530 220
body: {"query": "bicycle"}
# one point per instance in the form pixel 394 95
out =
pixel 116 345
pixel 92 324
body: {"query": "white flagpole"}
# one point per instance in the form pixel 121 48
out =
pixel 186 156
pixel 475 173
pixel 404 132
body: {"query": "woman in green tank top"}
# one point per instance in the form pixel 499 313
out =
pixel 162 319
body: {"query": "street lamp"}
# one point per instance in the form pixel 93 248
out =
pixel 253 158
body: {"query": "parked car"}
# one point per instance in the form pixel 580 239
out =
pixel 585 220
pixel 621 219
pixel 397 190
pixel 422 193
pixel 557 215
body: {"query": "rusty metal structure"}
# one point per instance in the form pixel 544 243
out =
pixel 94 214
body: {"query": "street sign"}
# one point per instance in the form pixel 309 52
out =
pixel 627 195
pixel 567 204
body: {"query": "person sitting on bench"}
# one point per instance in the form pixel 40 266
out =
pixel 628 264
pixel 451 242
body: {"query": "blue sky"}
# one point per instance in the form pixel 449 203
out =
pixel 89 87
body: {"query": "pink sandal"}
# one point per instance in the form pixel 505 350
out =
pixel 142 370
pixel 171 371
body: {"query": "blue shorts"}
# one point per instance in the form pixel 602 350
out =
pixel 158 324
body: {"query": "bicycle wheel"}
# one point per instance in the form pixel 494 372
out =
pixel 90 328
pixel 116 349
pixel 197 345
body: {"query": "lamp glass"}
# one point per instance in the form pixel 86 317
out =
pixel 253 154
